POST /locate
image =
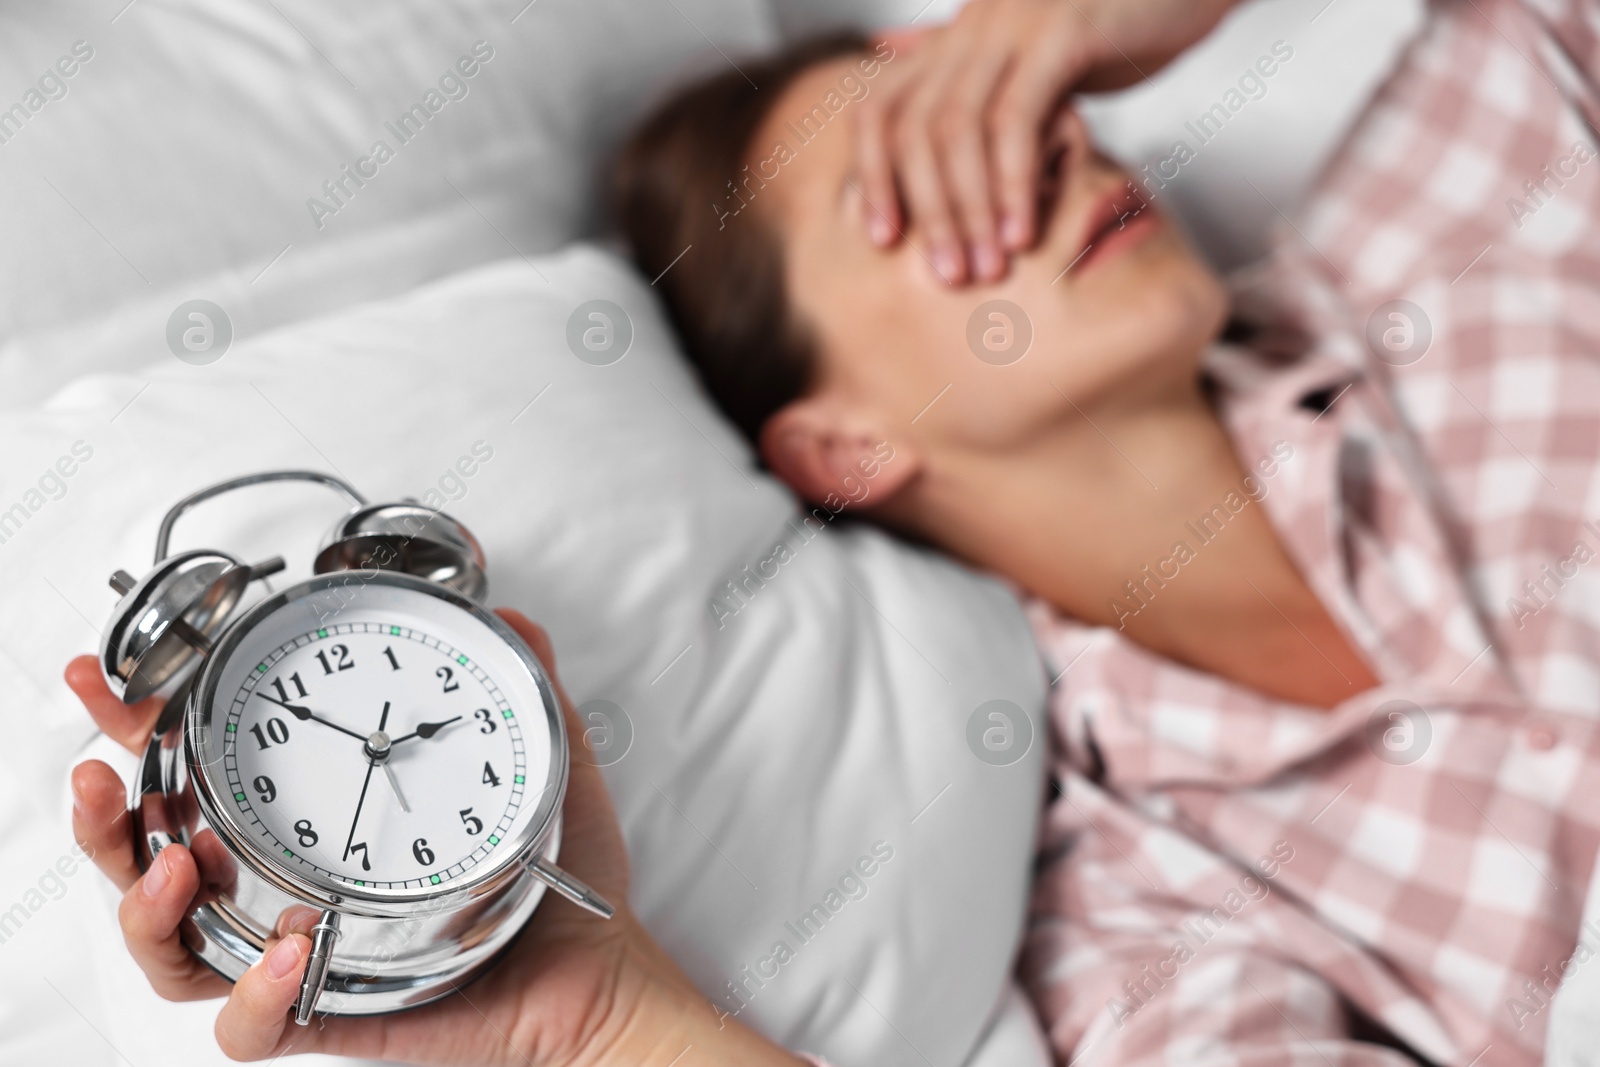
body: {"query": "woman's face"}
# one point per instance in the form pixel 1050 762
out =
pixel 1116 303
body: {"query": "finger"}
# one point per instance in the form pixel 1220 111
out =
pixel 150 913
pixel 100 822
pixel 927 201
pixel 964 158
pixel 875 169
pixel 1020 110
pixel 128 726
pixel 252 1025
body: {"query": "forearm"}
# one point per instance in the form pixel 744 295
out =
pixel 670 1022
pixel 1136 38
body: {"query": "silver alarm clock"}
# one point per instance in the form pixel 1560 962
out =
pixel 370 745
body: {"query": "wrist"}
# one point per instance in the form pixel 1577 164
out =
pixel 664 1019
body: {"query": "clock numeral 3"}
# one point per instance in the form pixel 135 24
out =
pixel 446 673
pixel 264 786
pixel 276 730
pixel 308 836
pixel 420 849
pixel 489 777
pixel 340 654
pixel 488 726
pixel 473 824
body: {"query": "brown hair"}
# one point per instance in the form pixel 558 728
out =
pixel 727 294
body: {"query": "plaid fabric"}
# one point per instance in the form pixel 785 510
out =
pixel 1229 879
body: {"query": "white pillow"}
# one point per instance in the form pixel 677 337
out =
pixel 181 159
pixel 826 721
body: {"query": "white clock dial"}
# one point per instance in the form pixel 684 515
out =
pixel 397 745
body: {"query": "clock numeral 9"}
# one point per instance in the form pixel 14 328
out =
pixel 420 849
pixel 446 673
pixel 264 786
pixel 473 824
pixel 308 836
pixel 341 654
pixel 488 726
pixel 276 730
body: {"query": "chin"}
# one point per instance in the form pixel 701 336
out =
pixel 1151 328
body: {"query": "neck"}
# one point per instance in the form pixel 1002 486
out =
pixel 1137 516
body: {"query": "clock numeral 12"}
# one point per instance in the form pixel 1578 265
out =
pixel 340 653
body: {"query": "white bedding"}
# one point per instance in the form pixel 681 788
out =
pixel 177 163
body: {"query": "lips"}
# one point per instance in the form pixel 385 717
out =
pixel 1118 218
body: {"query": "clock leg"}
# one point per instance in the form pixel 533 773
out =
pixel 323 935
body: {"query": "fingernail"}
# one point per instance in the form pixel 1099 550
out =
pixel 882 232
pixel 157 877
pixel 284 958
pixel 948 264
pixel 1013 232
pixel 987 261
pixel 77 799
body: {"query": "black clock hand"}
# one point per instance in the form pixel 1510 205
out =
pixel 371 764
pixel 353 822
pixel 426 730
pixel 306 713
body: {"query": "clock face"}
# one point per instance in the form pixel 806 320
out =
pixel 396 746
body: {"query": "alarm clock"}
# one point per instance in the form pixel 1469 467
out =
pixel 370 746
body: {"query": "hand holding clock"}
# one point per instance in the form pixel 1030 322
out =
pixel 573 991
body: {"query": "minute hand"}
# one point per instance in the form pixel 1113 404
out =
pixel 426 730
pixel 306 713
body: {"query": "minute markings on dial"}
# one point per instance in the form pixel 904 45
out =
pixel 509 801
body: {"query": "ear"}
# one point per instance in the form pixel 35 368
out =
pixel 822 451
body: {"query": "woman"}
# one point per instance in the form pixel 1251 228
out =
pixel 1317 798
pixel 1327 663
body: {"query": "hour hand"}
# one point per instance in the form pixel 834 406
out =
pixel 304 714
pixel 427 729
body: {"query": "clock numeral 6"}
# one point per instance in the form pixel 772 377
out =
pixel 264 786
pixel 473 824
pixel 446 673
pixel 308 836
pixel 488 726
pixel 420 849
pixel 276 731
